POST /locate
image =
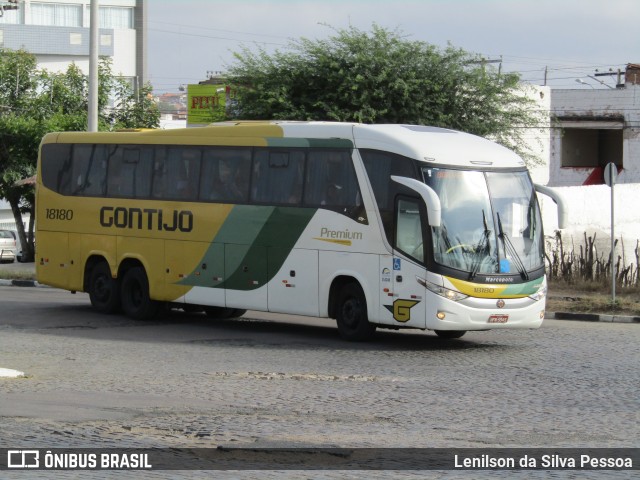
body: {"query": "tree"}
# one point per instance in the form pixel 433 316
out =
pixel 35 102
pixel 382 77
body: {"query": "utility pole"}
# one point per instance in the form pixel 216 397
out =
pixel 608 74
pixel 610 178
pixel 92 123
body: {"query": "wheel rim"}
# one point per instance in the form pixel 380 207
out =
pixel 351 312
pixel 135 294
pixel 102 288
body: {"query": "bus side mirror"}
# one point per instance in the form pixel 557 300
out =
pixel 428 195
pixel 553 195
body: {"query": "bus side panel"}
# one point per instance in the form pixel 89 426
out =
pixel 294 287
pixel 176 268
pixel 385 290
pixel 246 284
pixel 76 262
pixel 100 246
pixel 149 252
pixel 52 258
pixel 361 266
pixel 208 274
pixel 83 246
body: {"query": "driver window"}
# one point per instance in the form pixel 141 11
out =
pixel 408 234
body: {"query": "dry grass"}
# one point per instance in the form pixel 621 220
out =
pixel 15 275
pixel 591 297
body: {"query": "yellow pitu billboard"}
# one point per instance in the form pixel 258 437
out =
pixel 206 103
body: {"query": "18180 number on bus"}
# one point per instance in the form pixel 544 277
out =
pixel 58 214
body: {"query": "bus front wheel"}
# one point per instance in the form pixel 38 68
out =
pixel 450 334
pixel 136 301
pixel 352 319
pixel 222 313
pixel 104 291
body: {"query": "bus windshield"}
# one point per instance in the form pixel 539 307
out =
pixel 490 222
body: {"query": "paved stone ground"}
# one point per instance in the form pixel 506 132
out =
pixel 183 381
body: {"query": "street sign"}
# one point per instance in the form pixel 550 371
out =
pixel 610 174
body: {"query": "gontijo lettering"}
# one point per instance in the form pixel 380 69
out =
pixel 146 218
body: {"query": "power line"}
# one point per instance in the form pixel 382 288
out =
pixel 191 27
pixel 217 37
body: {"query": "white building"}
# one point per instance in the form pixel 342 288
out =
pixel 591 128
pixel 57 33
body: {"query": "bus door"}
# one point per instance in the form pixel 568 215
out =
pixel 408 306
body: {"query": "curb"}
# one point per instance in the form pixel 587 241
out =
pixel 578 317
pixel 592 317
pixel 19 283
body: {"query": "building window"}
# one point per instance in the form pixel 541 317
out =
pixel 114 17
pixel 591 147
pixel 105 40
pixel 56 14
pixel 75 39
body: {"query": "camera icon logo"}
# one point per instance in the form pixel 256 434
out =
pixel 23 459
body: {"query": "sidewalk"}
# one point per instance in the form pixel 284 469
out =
pixel 28 270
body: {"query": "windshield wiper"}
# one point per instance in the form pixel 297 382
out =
pixel 510 249
pixel 480 249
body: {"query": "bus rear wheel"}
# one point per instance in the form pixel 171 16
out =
pixel 351 317
pixel 104 291
pixel 136 301
pixel 221 313
pixel 450 334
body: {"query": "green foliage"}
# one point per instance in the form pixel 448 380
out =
pixel 133 109
pixel 35 102
pixel 382 77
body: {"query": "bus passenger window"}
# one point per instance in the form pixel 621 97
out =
pixel 129 171
pixel 185 163
pixel 176 173
pixel 225 175
pixel 56 167
pixel 89 171
pixel 331 180
pixel 160 175
pixel 277 177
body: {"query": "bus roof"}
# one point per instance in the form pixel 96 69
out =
pixel 433 145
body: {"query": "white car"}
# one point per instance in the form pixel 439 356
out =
pixel 7 246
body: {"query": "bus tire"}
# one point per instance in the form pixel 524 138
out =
pixel 104 291
pixel 450 334
pixel 351 315
pixel 221 313
pixel 134 292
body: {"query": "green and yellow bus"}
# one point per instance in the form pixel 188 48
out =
pixel 393 226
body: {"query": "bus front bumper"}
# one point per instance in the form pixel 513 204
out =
pixel 485 313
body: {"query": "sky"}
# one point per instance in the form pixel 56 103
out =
pixel 574 40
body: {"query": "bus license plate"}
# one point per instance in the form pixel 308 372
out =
pixel 498 319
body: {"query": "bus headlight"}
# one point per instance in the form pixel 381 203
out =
pixel 540 294
pixel 445 292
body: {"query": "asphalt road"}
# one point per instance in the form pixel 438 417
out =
pixel 271 380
